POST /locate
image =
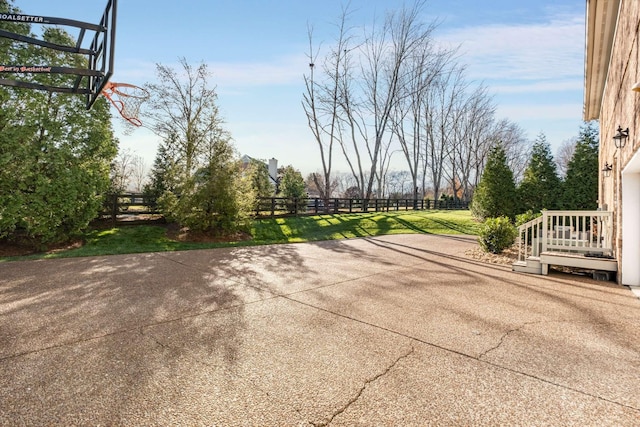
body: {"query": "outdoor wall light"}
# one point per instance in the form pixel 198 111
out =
pixel 606 170
pixel 620 138
pixel 636 87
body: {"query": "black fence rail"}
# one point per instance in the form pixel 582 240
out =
pixel 280 206
pixel 119 206
pixel 122 206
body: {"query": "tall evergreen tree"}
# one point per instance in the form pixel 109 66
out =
pixel 291 183
pixel 581 182
pixel 260 179
pixel 162 175
pixel 541 187
pixel 222 198
pixel 292 186
pixel 496 193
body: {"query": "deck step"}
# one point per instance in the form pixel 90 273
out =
pixel 540 265
pixel 579 261
pixel 532 266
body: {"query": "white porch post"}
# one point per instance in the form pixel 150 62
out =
pixel 545 239
pixel 545 230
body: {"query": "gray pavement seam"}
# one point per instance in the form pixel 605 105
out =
pixel 469 356
pixel 65 344
pixel 363 388
pixel 138 328
pixel 341 282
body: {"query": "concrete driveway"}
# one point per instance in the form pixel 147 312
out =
pixel 395 330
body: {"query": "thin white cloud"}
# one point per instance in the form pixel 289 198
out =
pixel 535 52
pixel 568 111
pixel 535 61
pixel 551 50
pixel 537 87
pixel 229 75
pixel 281 71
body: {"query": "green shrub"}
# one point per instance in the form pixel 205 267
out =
pixel 497 234
pixel 496 193
pixel 529 215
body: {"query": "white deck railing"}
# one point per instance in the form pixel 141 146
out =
pixel 566 231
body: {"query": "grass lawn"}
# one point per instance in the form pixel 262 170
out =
pixel 346 226
pixel 153 238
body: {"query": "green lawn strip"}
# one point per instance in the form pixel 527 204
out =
pixel 151 238
pixel 339 226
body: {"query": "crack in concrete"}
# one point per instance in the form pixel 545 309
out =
pixel 471 356
pixel 503 338
pixel 154 338
pixel 362 389
pixel 511 331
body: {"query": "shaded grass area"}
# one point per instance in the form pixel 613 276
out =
pixel 154 238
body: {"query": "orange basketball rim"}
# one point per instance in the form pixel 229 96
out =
pixel 127 99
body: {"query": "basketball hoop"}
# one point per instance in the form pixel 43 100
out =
pixel 127 99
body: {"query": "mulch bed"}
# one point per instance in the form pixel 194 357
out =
pixel 507 257
pixel 183 234
pixel 10 249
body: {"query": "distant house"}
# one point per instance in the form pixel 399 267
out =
pixel 612 96
pixel 272 167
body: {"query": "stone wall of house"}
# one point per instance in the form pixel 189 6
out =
pixel 620 107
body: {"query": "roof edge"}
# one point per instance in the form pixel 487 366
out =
pixel 601 24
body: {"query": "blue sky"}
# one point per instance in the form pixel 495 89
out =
pixel 529 54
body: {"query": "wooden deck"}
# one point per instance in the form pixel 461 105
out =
pixel 580 239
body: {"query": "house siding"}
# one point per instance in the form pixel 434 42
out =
pixel 620 107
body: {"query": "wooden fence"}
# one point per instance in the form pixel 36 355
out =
pixel 279 206
pixel 118 206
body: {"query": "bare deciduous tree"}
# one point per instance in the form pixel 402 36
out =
pixel 440 122
pixel 183 110
pixel 122 169
pixel 398 184
pixel 344 182
pixel 315 184
pixel 408 121
pixel 474 141
pixel 321 102
pixel 516 146
pixel 386 56
pixel 565 154
pixel 394 91
pixel 138 173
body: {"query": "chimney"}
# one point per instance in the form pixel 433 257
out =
pixel 273 170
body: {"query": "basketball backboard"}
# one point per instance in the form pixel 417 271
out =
pixel 95 42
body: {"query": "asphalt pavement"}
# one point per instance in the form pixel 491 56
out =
pixel 403 330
